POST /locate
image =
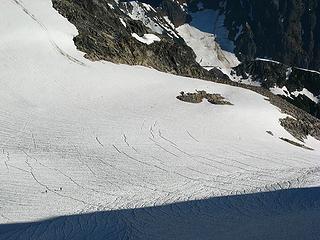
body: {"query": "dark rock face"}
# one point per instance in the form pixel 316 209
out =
pixel 284 30
pixel 274 73
pixel 305 104
pixel 103 37
pixel 175 13
pixel 296 144
pixel 198 97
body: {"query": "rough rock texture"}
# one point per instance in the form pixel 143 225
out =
pixel 103 37
pixel 284 30
pixel 173 10
pixel 198 96
pixel 296 144
pixel 271 74
pixel 303 125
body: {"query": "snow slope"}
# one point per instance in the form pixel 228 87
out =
pixel 211 21
pixel 78 136
pixel 208 38
pixel 208 51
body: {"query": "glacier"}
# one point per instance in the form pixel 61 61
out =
pixel 95 142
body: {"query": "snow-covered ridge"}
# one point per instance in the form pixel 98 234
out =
pixel 78 136
pixel 308 70
pixel 307 93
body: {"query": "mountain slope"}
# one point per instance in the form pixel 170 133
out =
pixel 286 31
pixel 257 33
pixel 81 136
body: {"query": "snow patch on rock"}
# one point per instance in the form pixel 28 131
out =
pixel 147 38
pixel 280 91
pixel 306 93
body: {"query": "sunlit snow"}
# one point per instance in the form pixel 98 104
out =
pixel 80 136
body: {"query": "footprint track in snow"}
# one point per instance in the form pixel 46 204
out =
pixel 52 42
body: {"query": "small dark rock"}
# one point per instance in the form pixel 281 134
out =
pixel 198 96
pixel 269 132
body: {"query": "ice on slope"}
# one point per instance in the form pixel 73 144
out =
pixel 138 12
pixel 114 136
pixel 209 54
pixel 211 21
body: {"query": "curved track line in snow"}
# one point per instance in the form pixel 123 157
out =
pixel 52 42
pixel 190 135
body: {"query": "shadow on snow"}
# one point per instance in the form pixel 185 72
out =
pixel 285 214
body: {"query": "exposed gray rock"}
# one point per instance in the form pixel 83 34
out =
pixel 103 37
pixel 271 74
pixel 198 96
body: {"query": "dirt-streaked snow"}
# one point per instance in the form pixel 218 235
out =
pixel 80 136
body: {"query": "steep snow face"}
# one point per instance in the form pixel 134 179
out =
pixel 209 54
pixel 78 136
pixel 208 37
pixel 211 21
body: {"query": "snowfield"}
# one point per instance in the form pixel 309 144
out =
pixel 79 136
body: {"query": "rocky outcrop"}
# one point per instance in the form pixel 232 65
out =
pixel 105 33
pixel 198 97
pixel 272 74
pixel 284 30
pixel 296 144
pixel 301 124
pixel 102 36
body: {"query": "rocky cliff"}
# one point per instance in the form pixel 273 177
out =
pixel 298 86
pixel 107 33
pixel 283 30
